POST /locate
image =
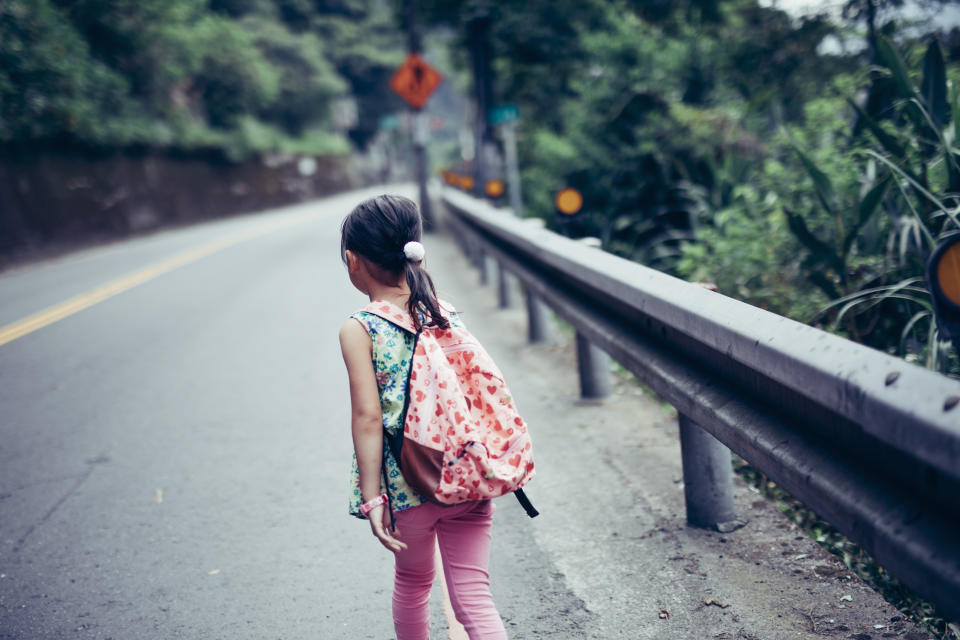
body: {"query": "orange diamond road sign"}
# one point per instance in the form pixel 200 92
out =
pixel 415 81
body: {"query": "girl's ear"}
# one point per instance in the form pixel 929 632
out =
pixel 353 260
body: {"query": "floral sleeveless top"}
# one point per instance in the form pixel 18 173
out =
pixel 392 355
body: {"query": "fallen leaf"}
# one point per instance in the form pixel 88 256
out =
pixel 213 572
pixel 664 614
pixel 716 603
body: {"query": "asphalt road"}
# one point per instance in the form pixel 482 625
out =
pixel 173 459
pixel 174 453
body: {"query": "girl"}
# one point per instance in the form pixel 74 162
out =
pixel 380 246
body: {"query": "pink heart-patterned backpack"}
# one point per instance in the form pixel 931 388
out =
pixel 462 437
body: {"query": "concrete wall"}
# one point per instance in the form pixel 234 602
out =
pixel 48 197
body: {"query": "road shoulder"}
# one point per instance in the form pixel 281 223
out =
pixel 611 555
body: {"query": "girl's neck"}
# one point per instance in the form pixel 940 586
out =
pixel 397 295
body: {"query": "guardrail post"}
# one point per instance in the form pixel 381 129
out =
pixel 459 236
pixel 538 319
pixel 707 478
pixel 483 264
pixel 470 246
pixel 594 367
pixel 478 257
pixel 504 287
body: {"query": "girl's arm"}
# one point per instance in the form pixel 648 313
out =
pixel 366 424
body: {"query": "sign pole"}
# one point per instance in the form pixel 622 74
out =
pixel 479 25
pixel 513 172
pixel 420 129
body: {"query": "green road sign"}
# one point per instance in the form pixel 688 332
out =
pixel 389 122
pixel 503 114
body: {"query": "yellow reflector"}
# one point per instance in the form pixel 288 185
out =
pixel 948 273
pixel 569 201
pixel 495 188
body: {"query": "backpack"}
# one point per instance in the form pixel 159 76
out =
pixel 462 437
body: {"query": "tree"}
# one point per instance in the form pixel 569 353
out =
pixel 365 46
pixel 236 76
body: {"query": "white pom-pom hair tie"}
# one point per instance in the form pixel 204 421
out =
pixel 414 251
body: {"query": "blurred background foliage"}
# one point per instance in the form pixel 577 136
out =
pixel 805 164
pixel 233 77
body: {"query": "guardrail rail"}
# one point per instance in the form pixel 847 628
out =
pixel 868 441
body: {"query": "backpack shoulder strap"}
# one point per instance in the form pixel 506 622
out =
pixel 401 317
pixel 391 313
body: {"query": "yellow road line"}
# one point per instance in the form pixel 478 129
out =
pixel 457 632
pixel 83 301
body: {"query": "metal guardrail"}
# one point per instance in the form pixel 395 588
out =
pixel 868 441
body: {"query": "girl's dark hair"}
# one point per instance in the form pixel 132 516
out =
pixel 377 229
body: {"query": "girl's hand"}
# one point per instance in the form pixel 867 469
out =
pixel 379 518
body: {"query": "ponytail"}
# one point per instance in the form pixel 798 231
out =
pixel 380 229
pixel 423 296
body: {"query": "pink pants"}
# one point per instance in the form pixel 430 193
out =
pixel 463 534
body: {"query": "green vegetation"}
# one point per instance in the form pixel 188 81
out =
pixel 721 141
pixel 235 77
